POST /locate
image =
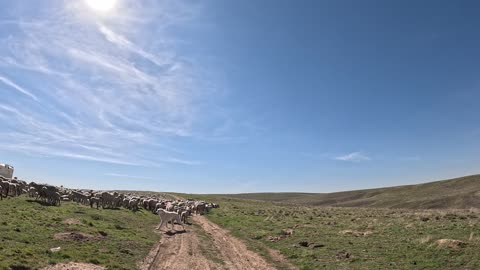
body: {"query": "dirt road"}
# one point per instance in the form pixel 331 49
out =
pixel 205 246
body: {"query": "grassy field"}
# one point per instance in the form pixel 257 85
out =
pixel 117 239
pixel 463 192
pixel 355 238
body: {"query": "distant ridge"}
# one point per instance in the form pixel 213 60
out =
pixel 459 193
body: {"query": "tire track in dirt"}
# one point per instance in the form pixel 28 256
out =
pixel 185 251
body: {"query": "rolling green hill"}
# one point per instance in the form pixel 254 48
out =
pixel 463 192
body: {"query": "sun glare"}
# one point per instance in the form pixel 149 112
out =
pixel 101 5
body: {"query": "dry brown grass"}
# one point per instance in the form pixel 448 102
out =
pixel 356 233
pixel 451 243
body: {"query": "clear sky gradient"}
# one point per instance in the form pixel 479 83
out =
pixel 240 96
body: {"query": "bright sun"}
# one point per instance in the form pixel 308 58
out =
pixel 101 5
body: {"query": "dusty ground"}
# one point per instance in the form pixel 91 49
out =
pixel 72 221
pixel 205 246
pixel 74 266
pixel 77 236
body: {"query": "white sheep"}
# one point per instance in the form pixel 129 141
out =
pixel 13 189
pixel 133 204
pixel 94 200
pixel 184 216
pixel 32 192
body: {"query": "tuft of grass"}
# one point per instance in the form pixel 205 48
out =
pixel 122 237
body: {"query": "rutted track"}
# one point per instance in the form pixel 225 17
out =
pixel 185 251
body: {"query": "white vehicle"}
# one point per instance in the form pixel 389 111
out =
pixel 6 170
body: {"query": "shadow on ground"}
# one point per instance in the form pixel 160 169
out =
pixel 174 232
pixel 41 203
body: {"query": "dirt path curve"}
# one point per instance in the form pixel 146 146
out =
pixel 178 251
pixel 205 246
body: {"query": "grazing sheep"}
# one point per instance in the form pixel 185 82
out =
pixel 55 199
pixel 158 206
pixel 166 216
pixel 31 192
pixel 5 184
pixel 51 195
pixel 125 202
pixel 200 208
pixel 45 192
pixel 94 200
pixel 145 203
pixel 184 216
pixel 133 204
pixel 170 207
pixel 79 197
pixel 108 200
pixel 12 189
pixel 152 204
pixel 118 200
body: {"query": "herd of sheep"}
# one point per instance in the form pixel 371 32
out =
pixel 12 187
pixel 168 210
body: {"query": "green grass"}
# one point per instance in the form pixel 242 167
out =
pixel 399 239
pixel 27 230
pixel 458 193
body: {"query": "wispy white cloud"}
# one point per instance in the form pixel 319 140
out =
pixel 124 43
pixel 129 176
pixel 101 94
pixel 353 157
pixel 15 86
pixel 181 161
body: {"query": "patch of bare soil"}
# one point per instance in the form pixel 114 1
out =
pixel 184 251
pixel 74 266
pixel 72 221
pixel 356 233
pixel 178 250
pixel 77 236
pixel 451 243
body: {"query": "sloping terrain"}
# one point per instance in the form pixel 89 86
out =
pixel 336 238
pixel 463 192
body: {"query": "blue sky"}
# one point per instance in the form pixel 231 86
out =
pixel 240 96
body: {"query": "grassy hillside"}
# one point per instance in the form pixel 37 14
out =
pixel 354 238
pixel 463 192
pixel 117 239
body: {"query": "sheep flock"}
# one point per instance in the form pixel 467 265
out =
pixel 167 209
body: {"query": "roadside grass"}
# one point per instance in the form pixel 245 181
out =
pixel 353 238
pixel 117 238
